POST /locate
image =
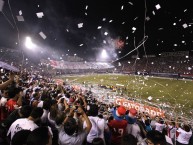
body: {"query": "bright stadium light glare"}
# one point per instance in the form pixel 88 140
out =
pixel 104 54
pixel 29 44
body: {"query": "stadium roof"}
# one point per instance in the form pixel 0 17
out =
pixel 85 27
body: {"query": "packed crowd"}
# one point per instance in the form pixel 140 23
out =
pixel 180 65
pixel 37 111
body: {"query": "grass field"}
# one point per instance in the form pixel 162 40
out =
pixel 177 94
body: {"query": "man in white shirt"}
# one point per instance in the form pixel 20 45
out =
pixel 26 123
pixel 71 135
pixel 184 136
pixel 98 125
pixel 159 126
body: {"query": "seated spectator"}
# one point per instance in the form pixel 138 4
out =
pixel 20 138
pixel 155 137
pixel 40 136
pixel 26 123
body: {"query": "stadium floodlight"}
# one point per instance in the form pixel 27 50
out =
pixel 104 54
pixel 29 44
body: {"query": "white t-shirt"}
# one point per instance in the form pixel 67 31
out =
pixel 159 127
pixel 21 124
pixel 134 129
pixel 172 131
pixel 44 117
pixel 65 139
pixel 97 130
pixel 3 101
pixel 40 104
pixel 184 136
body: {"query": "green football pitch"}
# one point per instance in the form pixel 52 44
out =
pixel 176 95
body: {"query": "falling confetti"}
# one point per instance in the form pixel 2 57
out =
pixel 130 3
pixel 104 19
pixel 175 45
pixel 43 35
pixel 110 21
pixel 133 28
pixel 185 25
pixel 105 33
pixel 158 6
pixel 20 12
pixel 135 18
pixel 40 14
pixel 147 18
pixel 122 7
pixel 81 44
pixel 20 18
pixel 80 25
pixel 86 7
pixel 99 27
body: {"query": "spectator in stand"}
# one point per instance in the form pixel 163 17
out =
pixel 20 138
pixel 8 82
pixel 26 123
pixel 4 97
pixel 98 141
pixel 23 112
pixel 71 134
pixel 155 137
pixel 46 109
pixel 135 126
pixel 3 101
pixel 40 136
pixel 98 124
pixel 171 132
pixel 35 99
pixel 128 139
pixel 160 125
pixel 118 125
pixel 184 135
pixel 15 102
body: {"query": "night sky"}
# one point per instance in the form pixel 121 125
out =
pixel 168 25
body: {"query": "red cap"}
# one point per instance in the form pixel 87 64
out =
pixel 133 111
pixel 121 110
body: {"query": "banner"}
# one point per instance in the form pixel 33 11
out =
pixel 153 111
